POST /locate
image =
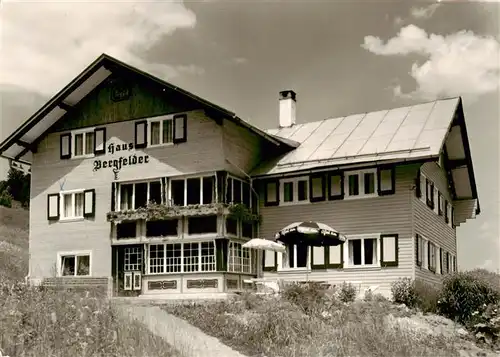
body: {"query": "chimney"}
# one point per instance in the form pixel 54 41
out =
pixel 287 108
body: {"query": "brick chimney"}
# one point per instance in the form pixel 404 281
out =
pixel 287 108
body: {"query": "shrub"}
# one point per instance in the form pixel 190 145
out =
pixel 427 296
pixel 347 292
pixel 403 292
pixel 487 325
pixel 306 296
pixel 465 293
pixel 5 199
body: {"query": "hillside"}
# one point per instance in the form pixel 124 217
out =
pixel 14 233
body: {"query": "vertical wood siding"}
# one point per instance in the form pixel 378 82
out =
pixel 386 215
pixel 201 153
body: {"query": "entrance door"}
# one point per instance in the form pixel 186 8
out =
pixel 128 268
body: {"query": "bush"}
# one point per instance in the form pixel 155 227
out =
pixel 486 325
pixel 347 292
pixel 404 292
pixel 306 296
pixel 427 296
pixel 463 294
pixel 5 199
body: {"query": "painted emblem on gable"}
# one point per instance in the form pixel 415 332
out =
pixel 120 91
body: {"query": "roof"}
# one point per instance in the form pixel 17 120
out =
pixel 406 133
pixel 17 145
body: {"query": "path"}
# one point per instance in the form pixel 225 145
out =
pixel 190 341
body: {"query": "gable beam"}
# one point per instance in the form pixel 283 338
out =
pixel 65 106
pixel 455 164
pixel 21 154
pixel 449 176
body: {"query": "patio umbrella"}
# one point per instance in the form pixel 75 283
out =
pixel 265 244
pixel 310 233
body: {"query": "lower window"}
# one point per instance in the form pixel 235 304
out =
pixel 296 256
pixel 72 205
pixel 181 257
pixel 74 264
pixel 362 251
pixel 239 259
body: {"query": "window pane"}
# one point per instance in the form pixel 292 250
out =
pixel 369 182
pixel 291 255
pixel 126 196
pixel 173 258
pixel 79 204
pixel 202 225
pixel 89 143
pixel 193 191
pixel 78 144
pixel 288 192
pixel 353 185
pixel 317 187
pixel 237 191
pixel 208 190
pixel 271 192
pixel 68 266
pixel 231 226
pixel 246 194
pixel 301 255
pixel 155 133
pixel 177 192
pixel 155 192
pixel 83 267
pixel 355 252
pixel 141 195
pixel 191 257
pixel 229 190
pixel 302 194
pixel 156 258
pixel 335 185
pixel 370 246
pixel 68 205
pixel 167 131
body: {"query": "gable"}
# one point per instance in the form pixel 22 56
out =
pixel 121 97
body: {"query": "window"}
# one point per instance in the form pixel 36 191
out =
pixel 202 225
pixel 296 256
pixel 239 259
pixel 271 193
pixel 431 256
pixel 231 226
pixel 192 191
pixel 163 228
pixel 361 183
pixel 362 251
pixel 83 143
pixel 126 230
pixel 161 131
pixel 335 186
pixel 444 262
pixel 419 250
pixel 422 192
pixel 294 190
pixel 132 259
pixel 429 193
pixel 74 264
pixel 441 201
pixel 72 204
pixel 139 194
pixel 238 191
pixel 247 229
pixel 181 257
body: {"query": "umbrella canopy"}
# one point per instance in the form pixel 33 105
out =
pixel 310 233
pixel 265 244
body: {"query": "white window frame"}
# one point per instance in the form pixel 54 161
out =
pixel 73 217
pixel 73 143
pixel 423 188
pixel 201 262
pixel 233 178
pixel 119 193
pixel 239 259
pixel 361 178
pixel 295 187
pixel 185 178
pixel 76 254
pixel 159 119
pixel 283 260
pixel 129 251
pixel 362 237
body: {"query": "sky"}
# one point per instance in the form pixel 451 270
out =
pixel 340 57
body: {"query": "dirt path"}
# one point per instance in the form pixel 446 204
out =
pixel 187 339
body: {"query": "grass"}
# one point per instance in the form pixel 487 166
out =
pixel 42 322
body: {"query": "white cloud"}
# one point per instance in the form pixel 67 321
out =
pixel 46 44
pixel 239 60
pixel 458 64
pixel 424 12
pixel 488 265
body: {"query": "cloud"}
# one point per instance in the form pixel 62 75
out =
pixel 458 64
pixel 424 12
pixel 239 60
pixel 44 45
pixel 488 265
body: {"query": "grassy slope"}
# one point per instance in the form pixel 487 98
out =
pixel 49 323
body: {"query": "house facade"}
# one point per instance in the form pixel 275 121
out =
pixel 146 189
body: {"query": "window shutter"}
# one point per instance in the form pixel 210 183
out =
pixel 53 206
pixel 386 179
pixel 141 135
pixel 429 187
pixel 65 146
pixel 269 261
pixel 99 141
pixel 446 208
pixel 452 221
pixel 271 193
pixel 317 191
pixel 389 250
pixel 164 190
pixel 113 196
pixel 441 261
pixel 89 203
pixel 440 203
pixel 336 186
pixel 318 258
pixel 334 256
pixel 418 248
pixel 418 190
pixel 180 128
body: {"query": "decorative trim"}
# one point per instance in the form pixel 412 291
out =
pixel 232 284
pixel 120 90
pixel 162 285
pixel 202 284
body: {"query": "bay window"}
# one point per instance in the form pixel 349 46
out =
pixel 181 257
pixel 239 258
pixel 139 194
pixel 238 191
pixel 192 191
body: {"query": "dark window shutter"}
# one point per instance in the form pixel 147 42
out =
pixel 451 216
pixel 65 146
pixel 441 263
pixel 334 265
pixel 381 172
pixel 221 248
pixel 418 248
pixel 440 205
pixel 89 203
pixel 319 266
pixel 315 178
pixel 141 134
pixel 418 191
pixel 180 128
pixel 446 211
pixel 53 205
pixel 384 241
pixel 99 141
pixel 113 196
pixel 269 268
pixel 274 200
pixel 221 186
pixel 429 187
pixel 332 194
